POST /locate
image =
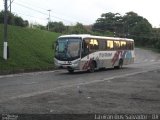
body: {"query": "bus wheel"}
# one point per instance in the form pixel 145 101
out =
pixel 120 65
pixel 71 71
pixel 92 67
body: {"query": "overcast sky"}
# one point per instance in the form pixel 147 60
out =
pixel 83 11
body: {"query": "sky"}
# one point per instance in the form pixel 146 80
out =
pixel 83 11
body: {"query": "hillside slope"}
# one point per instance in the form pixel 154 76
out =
pixel 30 49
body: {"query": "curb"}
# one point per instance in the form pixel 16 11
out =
pixel 7 72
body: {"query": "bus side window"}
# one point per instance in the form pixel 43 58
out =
pixel 132 45
pixel 109 44
pixel 85 48
pixel 102 44
pixel 117 45
pixel 123 45
pixel 94 45
pixel 129 45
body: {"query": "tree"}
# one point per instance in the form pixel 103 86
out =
pixel 77 29
pixel 56 27
pixel 130 25
pixel 26 23
pixel 137 27
pixel 109 22
pixel 10 18
pixel 155 41
pixel 13 19
pixel 18 21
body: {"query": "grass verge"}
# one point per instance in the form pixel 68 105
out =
pixel 29 50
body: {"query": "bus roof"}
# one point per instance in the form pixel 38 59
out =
pixel 93 36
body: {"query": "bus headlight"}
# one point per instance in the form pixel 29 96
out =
pixel 56 62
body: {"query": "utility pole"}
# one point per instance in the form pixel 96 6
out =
pixel 10 6
pixel 5 44
pixel 49 18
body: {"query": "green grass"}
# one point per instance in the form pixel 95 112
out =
pixel 30 49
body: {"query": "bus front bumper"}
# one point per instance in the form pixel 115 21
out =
pixel 65 65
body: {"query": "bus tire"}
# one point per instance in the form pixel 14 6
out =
pixel 120 64
pixel 71 71
pixel 92 67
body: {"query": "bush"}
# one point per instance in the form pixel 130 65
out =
pixel 13 19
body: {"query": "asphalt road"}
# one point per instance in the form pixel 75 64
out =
pixel 133 89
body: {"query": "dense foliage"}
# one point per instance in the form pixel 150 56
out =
pixel 56 27
pixel 13 20
pixel 131 25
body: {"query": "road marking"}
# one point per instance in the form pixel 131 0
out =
pixel 30 83
pixel 137 62
pixel 146 60
pixel 152 60
pixel 9 76
pixel 72 85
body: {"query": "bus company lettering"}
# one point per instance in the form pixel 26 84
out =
pixel 102 55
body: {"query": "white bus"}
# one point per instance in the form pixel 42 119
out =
pixel 88 52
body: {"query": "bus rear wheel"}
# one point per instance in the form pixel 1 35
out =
pixel 120 65
pixel 92 67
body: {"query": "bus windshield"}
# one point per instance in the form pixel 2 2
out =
pixel 68 48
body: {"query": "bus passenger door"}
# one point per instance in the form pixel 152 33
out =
pixel 85 48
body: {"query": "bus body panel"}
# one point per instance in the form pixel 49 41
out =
pixel 102 58
pixel 107 59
